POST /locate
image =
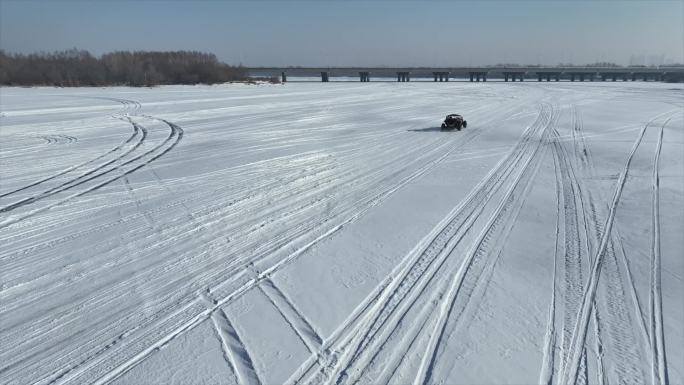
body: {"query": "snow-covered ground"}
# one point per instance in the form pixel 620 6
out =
pixel 315 233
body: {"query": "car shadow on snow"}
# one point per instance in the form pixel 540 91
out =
pixel 430 129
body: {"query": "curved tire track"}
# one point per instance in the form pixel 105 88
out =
pixel 174 137
pixel 116 148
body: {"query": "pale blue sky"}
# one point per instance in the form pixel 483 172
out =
pixel 408 33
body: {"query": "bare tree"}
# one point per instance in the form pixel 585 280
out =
pixel 79 68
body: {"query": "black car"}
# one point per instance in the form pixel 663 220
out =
pixel 454 121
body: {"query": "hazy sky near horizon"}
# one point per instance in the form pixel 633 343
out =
pixel 362 33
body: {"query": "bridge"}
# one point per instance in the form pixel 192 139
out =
pixel 475 74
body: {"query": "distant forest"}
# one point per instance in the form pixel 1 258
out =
pixel 74 68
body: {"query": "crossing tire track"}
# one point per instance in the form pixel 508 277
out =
pixel 617 287
pixel 572 255
pixel 80 179
pixel 449 301
pixel 416 269
pixel 116 148
pixel 572 371
pixel 174 137
pixel 358 210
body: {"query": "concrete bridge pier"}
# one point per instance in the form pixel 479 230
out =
pixel 542 75
pixel 477 75
pixel 582 76
pixel 324 76
pixel 364 76
pixel 403 76
pixel 442 76
pixel 520 76
pixel 613 76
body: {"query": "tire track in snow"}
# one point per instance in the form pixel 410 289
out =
pixel 138 203
pixel 174 137
pixel 572 250
pixel 118 147
pixel 383 186
pixel 234 350
pixel 248 193
pixel 571 372
pixel 485 256
pixel 294 318
pixel 306 230
pixel 413 282
pixel 78 180
pixel 58 139
pixel 177 134
pixel 583 157
pixel 549 351
pixel 398 285
pixel 406 181
pixel 448 224
pixel 390 366
pixel 475 283
pixel 658 359
pixel 426 367
pixel 69 169
pixel 617 281
pixel 194 321
pixel 88 231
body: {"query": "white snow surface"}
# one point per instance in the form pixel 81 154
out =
pixel 314 233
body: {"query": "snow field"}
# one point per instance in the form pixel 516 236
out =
pixel 331 233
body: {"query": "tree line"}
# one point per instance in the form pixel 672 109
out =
pixel 74 68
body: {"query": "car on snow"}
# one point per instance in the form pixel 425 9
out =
pixel 454 121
